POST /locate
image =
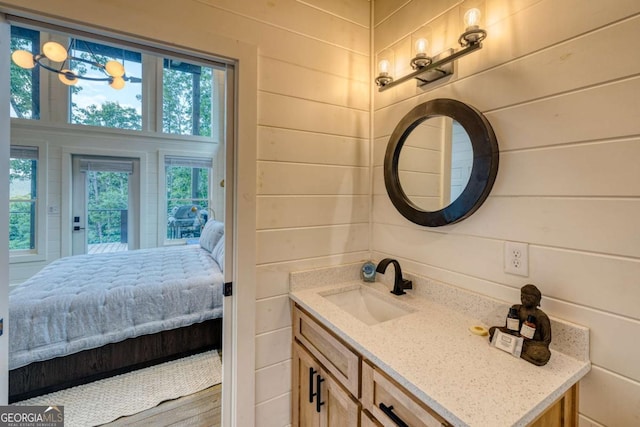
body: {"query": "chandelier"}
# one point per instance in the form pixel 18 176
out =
pixel 113 71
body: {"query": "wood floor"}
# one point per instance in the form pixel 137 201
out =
pixel 202 409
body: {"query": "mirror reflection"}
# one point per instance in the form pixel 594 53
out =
pixel 435 163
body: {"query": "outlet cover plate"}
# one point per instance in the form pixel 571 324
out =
pixel 516 258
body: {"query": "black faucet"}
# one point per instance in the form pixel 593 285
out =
pixel 399 284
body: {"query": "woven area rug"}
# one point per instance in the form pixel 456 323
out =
pixel 106 400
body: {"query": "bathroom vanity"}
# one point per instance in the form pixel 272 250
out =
pixel 419 364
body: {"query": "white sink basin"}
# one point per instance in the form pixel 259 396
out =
pixel 369 306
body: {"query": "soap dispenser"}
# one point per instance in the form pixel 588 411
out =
pixel 368 272
pixel 513 321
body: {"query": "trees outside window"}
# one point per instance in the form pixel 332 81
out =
pixel 25 84
pixel 120 109
pixel 23 197
pixel 108 197
pixel 186 98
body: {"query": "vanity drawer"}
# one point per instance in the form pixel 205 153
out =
pixel 385 399
pixel 336 356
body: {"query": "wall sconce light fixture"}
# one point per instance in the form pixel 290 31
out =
pixel 427 68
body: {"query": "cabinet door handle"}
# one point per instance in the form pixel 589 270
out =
pixel 319 403
pixel 312 372
pixel 388 410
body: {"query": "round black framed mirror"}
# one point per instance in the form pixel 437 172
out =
pixel 441 162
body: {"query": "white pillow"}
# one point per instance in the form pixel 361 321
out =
pixel 218 253
pixel 211 234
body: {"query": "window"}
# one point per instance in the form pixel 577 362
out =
pixel 23 198
pixel 177 96
pixel 95 103
pixel 187 184
pixel 25 83
pixel 187 94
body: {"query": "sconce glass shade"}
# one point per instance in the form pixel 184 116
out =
pixel 473 33
pixel 421 59
pixel 117 83
pixel 385 67
pixel 54 51
pixel 68 77
pixel 114 68
pixel 420 45
pixel 23 59
pixel 472 19
pixel 383 73
pixel 383 76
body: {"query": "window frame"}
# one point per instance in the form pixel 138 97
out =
pixel 39 252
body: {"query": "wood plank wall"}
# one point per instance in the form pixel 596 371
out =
pixel 313 170
pixel 558 80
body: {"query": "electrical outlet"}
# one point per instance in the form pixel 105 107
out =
pixel 516 258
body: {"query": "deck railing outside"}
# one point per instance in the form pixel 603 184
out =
pixel 107 230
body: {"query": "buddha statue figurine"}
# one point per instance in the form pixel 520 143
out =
pixel 535 349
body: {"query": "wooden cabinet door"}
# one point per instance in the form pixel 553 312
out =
pixel 304 377
pixel 339 409
pixel 318 400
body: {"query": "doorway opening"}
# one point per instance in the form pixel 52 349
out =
pixel 97 196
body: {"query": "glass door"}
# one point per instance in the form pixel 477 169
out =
pixel 104 208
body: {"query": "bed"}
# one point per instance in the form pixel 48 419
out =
pixel 91 316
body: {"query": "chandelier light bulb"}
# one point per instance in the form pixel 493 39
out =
pixel 54 51
pixel 472 19
pixel 23 59
pixel 117 83
pixel 115 69
pixel 68 77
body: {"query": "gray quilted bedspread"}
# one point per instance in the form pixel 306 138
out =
pixel 87 301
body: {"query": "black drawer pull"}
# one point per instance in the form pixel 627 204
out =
pixel 388 410
pixel 312 372
pixel 319 403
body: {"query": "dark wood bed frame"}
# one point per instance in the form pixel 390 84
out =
pixel 56 374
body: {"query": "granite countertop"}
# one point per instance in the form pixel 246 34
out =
pixel 432 352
